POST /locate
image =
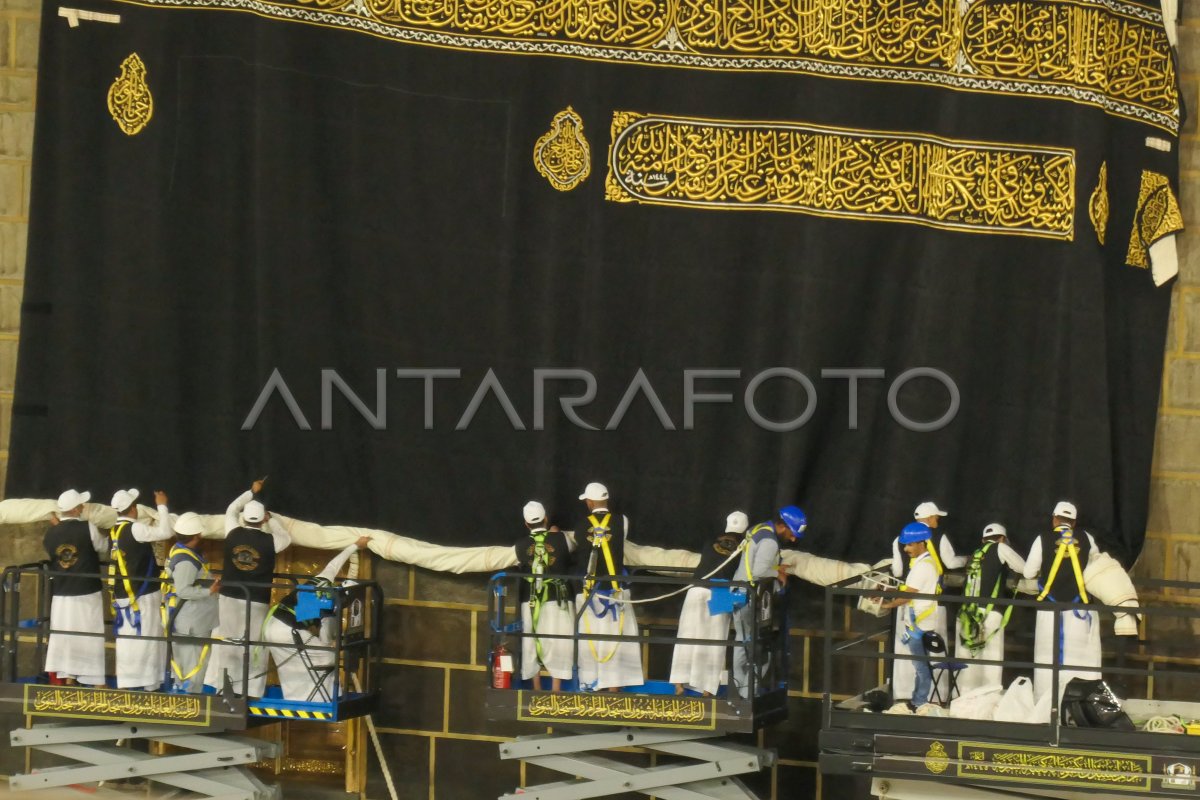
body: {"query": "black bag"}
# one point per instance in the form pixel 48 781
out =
pixel 1091 704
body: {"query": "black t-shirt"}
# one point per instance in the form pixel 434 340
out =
pixel 139 562
pixel 992 572
pixel 249 558
pixel 557 558
pixel 715 552
pixel 1065 587
pixel 70 549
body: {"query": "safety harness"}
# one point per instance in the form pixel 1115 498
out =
pixel 172 605
pixel 600 532
pixel 914 619
pixel 1069 546
pixel 540 588
pixel 972 616
pixel 131 613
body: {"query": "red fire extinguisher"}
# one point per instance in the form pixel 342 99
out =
pixel 501 677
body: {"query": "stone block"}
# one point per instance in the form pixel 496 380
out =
pixel 1189 321
pixel 14 240
pixel 8 365
pixel 455 779
pixel 449 588
pixel 392 577
pixel 16 134
pixel 21 90
pixel 407 758
pixel 5 421
pixel 21 544
pixel 1185 561
pixel 1177 444
pixel 26 52
pixel 13 194
pixel 1174 505
pixel 416 633
pixel 1151 562
pixel 410 697
pixel 1183 384
pixel 1188 86
pixel 1189 47
pixel 1188 246
pixel 10 308
pixel 1189 198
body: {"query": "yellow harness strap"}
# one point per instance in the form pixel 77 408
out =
pixel 1066 545
pixel 202 574
pixel 937 565
pixel 602 525
pixel 114 534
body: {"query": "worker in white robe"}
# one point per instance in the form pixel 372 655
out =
pixel 252 540
pixel 141 648
pixel 903 671
pixel 74 547
pixel 305 666
pixel 1058 559
pixel 190 609
pixel 547 608
pixel 917 616
pixel 601 606
pixel 696 666
pixel 941 549
pixel 979 626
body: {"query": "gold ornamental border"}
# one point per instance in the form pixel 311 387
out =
pixel 916 178
pixel 1110 54
pixel 604 708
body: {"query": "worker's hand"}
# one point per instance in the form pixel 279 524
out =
pixel 53 518
pixel 160 497
pixel 554 529
pixel 216 585
pixel 363 542
pixel 783 573
pixel 257 486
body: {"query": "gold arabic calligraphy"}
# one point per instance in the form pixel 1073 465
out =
pixel 981 187
pixel 618 708
pixel 1068 766
pixel 102 702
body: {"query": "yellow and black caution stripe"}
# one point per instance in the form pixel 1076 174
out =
pixel 287 713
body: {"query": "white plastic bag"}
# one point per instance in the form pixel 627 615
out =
pixel 1017 703
pixel 979 703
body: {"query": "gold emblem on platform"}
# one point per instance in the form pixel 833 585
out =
pixel 1098 203
pixel 129 98
pixel 936 759
pixel 562 156
pixel 1157 216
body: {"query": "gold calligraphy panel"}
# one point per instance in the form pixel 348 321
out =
pixel 129 98
pixel 78 702
pixel 563 156
pixel 1098 204
pixel 618 709
pixel 899 177
pixel 1044 765
pixel 1112 54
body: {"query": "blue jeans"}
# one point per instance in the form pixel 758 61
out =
pixel 924 678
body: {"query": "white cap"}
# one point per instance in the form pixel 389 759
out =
pixel 189 524
pixel 595 491
pixel 71 499
pixel 124 498
pixel 928 509
pixel 994 529
pixel 1066 510
pixel 254 511
pixel 737 522
pixel 534 512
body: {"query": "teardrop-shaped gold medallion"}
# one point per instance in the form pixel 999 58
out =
pixel 562 156
pixel 129 98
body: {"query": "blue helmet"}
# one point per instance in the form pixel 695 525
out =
pixel 915 532
pixel 795 519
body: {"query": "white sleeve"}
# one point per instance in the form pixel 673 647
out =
pixel 1033 563
pixel 335 565
pixel 897 561
pixel 99 540
pixel 160 532
pixel 235 509
pixel 1012 558
pixel 950 560
pixel 279 534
